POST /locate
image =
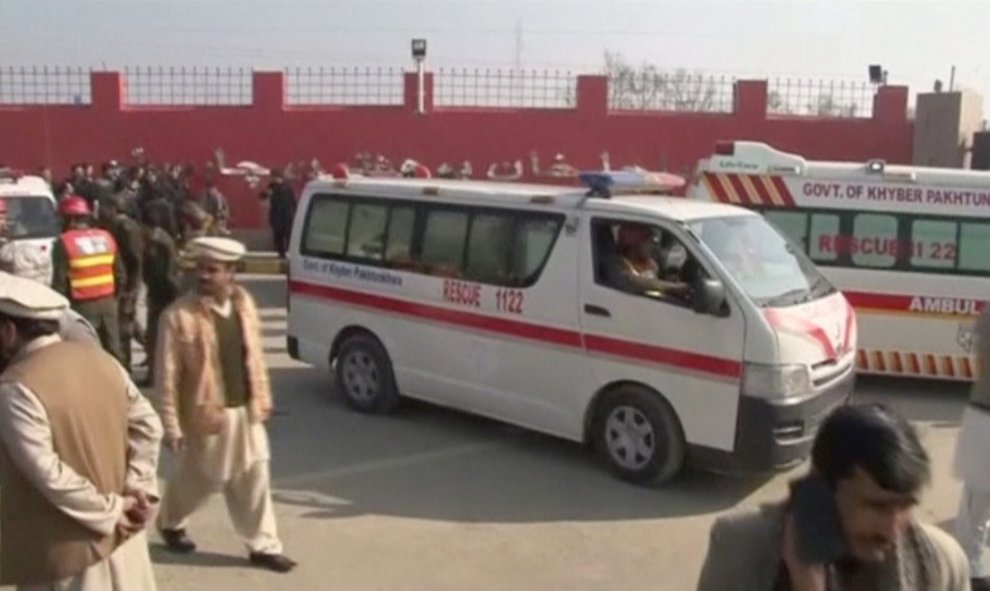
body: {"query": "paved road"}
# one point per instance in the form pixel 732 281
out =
pixel 434 500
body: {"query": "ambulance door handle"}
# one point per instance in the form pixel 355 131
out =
pixel 596 311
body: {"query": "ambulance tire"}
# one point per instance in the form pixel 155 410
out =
pixel 639 436
pixel 365 376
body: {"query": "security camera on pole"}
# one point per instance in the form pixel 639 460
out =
pixel 419 56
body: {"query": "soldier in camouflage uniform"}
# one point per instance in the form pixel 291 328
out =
pixel 161 277
pixel 130 242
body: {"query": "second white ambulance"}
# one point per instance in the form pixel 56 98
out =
pixel 501 300
pixel 909 246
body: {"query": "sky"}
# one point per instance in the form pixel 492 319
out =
pixel 916 41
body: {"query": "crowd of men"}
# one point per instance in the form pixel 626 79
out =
pixel 80 444
pixel 142 216
pixel 123 229
pixel 190 204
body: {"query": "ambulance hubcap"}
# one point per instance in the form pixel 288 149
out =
pixel 629 438
pixel 361 377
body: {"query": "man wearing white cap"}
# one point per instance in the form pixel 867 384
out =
pixel 78 457
pixel 214 397
pixel 72 326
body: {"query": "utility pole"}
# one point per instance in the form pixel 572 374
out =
pixel 519 44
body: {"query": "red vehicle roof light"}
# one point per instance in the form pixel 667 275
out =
pixel 723 148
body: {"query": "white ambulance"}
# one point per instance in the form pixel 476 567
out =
pixel 908 246
pixel 31 228
pixel 655 328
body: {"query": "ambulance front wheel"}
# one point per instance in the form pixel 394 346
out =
pixel 364 374
pixel 638 434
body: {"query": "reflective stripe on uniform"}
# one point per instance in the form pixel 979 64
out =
pixel 91 256
pixel 91 281
pixel 93 261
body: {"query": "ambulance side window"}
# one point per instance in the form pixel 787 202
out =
pixel 326 227
pixel 366 233
pixel 825 241
pixel 444 240
pixel 489 248
pixel 643 260
pixel 974 247
pixel 534 240
pixel 933 244
pixel 399 239
pixel 877 239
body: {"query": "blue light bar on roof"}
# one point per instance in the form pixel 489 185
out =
pixel 609 181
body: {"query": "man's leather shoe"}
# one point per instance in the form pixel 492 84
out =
pixel 274 562
pixel 177 541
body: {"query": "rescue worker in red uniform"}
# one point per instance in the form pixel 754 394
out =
pixel 88 270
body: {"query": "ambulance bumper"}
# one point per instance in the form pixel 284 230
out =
pixel 774 435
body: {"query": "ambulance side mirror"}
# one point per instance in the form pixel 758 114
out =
pixel 709 297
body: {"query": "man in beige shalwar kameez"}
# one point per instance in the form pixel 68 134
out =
pixel 79 451
pixel 214 397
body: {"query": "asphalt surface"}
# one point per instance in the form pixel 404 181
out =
pixel 429 499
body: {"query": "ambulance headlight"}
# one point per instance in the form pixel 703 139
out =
pixel 775 382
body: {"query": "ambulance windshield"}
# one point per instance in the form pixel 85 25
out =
pixel 31 217
pixel 771 270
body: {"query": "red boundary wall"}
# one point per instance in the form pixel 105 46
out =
pixel 271 132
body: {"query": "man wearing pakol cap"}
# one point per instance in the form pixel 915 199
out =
pixel 78 457
pixel 214 398
pixel 72 326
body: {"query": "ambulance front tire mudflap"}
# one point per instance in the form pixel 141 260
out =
pixel 638 435
pixel 364 374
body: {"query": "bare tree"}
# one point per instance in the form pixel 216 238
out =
pixel 567 97
pixel 826 105
pixel 648 87
pixel 777 104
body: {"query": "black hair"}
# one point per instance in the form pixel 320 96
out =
pixel 877 440
pixel 30 329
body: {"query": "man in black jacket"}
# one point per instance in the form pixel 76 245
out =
pixel 281 210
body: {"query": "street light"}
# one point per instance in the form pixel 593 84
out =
pixel 877 74
pixel 419 56
pixel 419 49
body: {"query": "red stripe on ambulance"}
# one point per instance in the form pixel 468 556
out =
pixel 688 360
pixel 740 189
pixel 785 193
pixel 918 304
pixel 715 187
pixel 797 325
pixel 762 190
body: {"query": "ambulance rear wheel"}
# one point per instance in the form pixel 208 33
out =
pixel 639 436
pixel 364 374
